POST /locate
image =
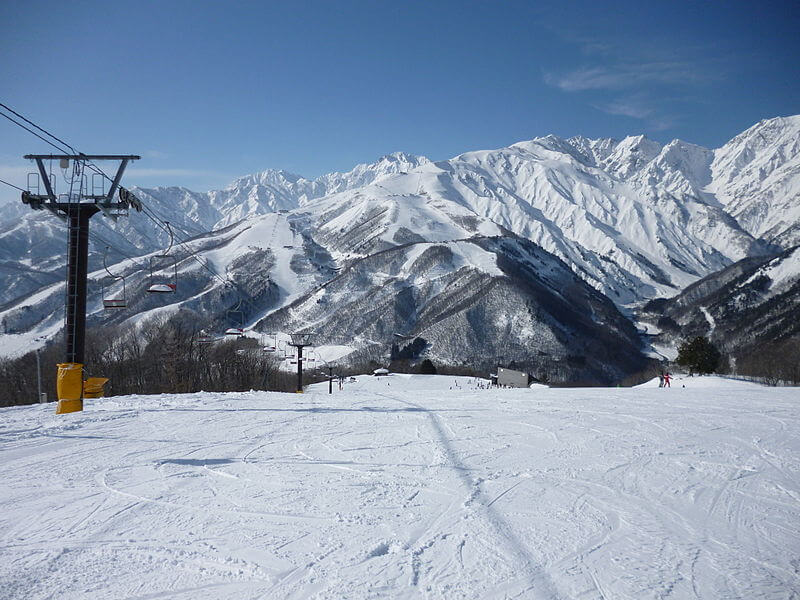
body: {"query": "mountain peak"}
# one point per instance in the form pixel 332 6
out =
pixel 266 177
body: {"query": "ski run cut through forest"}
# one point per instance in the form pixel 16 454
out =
pixel 407 487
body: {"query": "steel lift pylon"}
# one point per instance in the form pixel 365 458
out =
pixel 77 210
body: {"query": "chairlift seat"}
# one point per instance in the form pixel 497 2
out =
pixel 114 303
pixel 269 348
pixel 163 283
pixel 162 288
pixel 234 331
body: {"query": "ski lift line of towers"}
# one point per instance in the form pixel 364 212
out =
pixel 76 208
pixel 163 279
pixel 269 344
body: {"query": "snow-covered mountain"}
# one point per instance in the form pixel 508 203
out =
pixel 636 219
pixel 633 219
pixel 756 177
pixel 270 191
pixel 37 238
pixel 473 292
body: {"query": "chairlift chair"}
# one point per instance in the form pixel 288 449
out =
pixel 113 300
pixel 266 346
pixel 204 338
pixel 237 316
pixel 160 283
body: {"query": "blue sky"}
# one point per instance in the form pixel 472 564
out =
pixel 208 91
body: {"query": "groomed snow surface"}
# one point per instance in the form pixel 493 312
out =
pixel 407 487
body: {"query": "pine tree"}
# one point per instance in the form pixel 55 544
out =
pixel 699 356
pixel 426 367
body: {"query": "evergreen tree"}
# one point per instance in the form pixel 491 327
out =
pixel 699 356
pixel 427 367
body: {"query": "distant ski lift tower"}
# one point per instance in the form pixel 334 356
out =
pixel 77 208
pixel 300 341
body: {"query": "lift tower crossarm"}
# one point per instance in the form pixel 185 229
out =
pixel 104 201
pixel 83 156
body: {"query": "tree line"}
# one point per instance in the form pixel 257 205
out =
pixel 158 356
pixel 170 356
pixel 773 363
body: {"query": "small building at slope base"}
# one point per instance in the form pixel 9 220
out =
pixel 511 378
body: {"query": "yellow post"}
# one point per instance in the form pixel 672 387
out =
pixel 69 387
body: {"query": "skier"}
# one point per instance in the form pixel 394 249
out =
pixel 666 379
pixel 661 379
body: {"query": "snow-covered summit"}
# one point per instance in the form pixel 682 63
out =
pixel 757 177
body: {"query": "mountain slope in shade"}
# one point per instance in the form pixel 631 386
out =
pixel 476 301
pixel 753 302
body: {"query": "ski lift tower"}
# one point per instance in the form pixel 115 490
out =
pixel 300 341
pixel 76 208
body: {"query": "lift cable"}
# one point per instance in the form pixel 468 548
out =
pixel 153 216
pixel 31 131
pixel 12 185
pixel 93 234
pixel 88 163
pixel 227 282
pixel 11 110
pixel 148 211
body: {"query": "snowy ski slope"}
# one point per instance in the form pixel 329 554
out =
pixel 407 487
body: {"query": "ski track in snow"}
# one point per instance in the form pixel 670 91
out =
pixel 400 487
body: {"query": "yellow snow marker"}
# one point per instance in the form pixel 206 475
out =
pixel 93 387
pixel 69 387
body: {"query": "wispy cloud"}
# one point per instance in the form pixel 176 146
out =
pixel 623 76
pixel 638 107
pixel 649 78
pixel 155 154
pixel 148 172
pixel 194 179
pixel 626 107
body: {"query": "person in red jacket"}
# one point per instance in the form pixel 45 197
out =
pixel 667 378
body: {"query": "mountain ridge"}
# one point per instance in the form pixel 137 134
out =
pixel 633 218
